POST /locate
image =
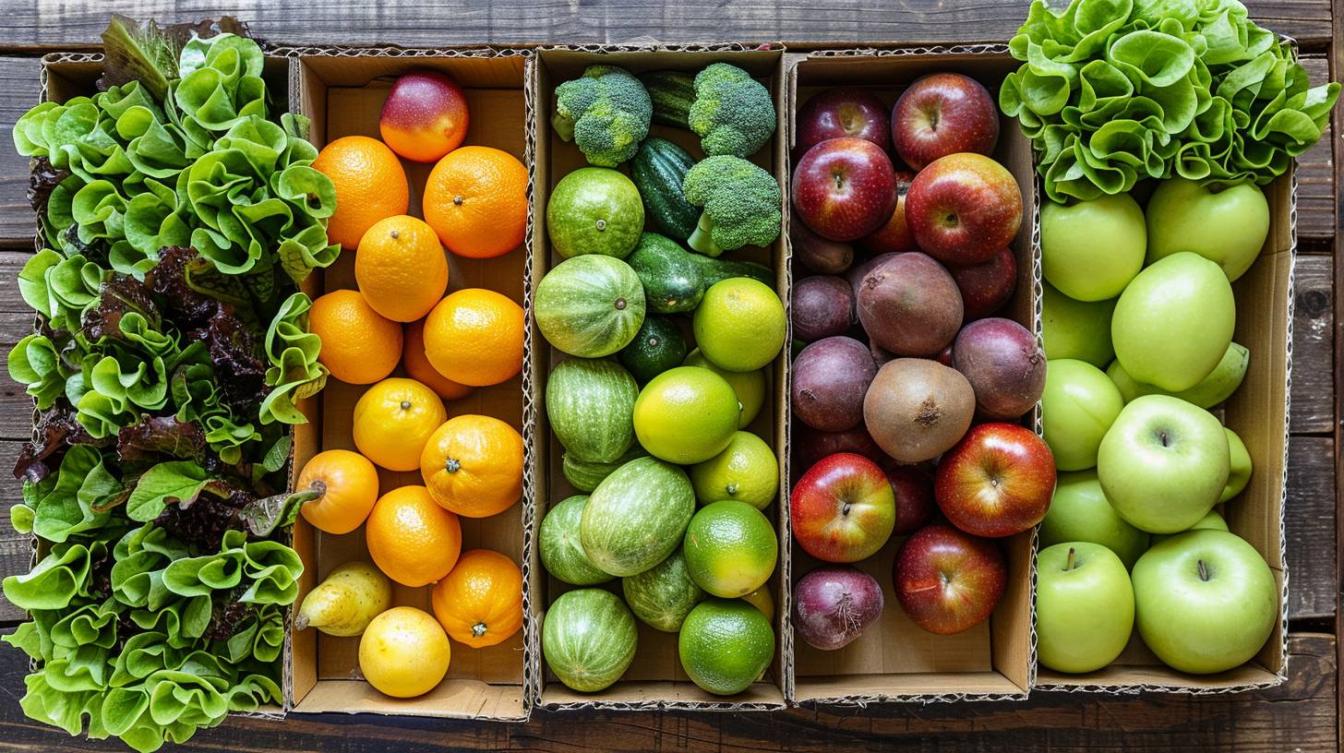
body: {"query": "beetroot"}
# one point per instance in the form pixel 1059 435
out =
pixel 810 445
pixel 857 272
pixel 822 306
pixel 1004 364
pixel 830 379
pixel 910 306
pixel 912 486
pixel 985 287
pixel 917 409
pixel 833 605
pixel 821 255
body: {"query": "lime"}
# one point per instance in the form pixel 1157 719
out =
pixel 730 548
pixel 749 386
pixel 740 324
pixel 594 210
pixel 725 645
pixel 686 415
pixel 747 472
pixel 763 600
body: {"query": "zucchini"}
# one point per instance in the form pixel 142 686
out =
pixel 658 171
pixel 672 93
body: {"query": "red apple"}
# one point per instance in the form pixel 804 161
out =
pixel 912 486
pixel 809 446
pixel 985 287
pixel 948 581
pixel 997 481
pixel 842 509
pixel 844 188
pixel 894 236
pixel 843 112
pixel 942 114
pixel 963 209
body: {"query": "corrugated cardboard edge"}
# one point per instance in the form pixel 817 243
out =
pixel 784 606
pixel 531 631
pixel 863 701
pixel 1281 676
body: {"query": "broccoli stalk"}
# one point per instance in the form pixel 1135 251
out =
pixel 740 204
pixel 730 111
pixel 605 112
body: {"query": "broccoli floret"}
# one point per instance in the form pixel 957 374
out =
pixel 732 112
pixel 606 112
pixel 740 204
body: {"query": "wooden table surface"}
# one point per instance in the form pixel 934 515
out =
pixel 1302 715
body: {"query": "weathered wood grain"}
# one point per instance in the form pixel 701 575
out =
pixel 1298 716
pixel 1313 405
pixel 1310 528
pixel 1316 172
pixel 37 23
pixel 19 83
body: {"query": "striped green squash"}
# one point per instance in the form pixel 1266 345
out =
pixel 588 638
pixel 591 405
pixel 637 516
pixel 663 595
pixel 590 306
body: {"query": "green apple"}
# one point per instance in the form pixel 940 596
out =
pixel 1215 388
pixel 1077 407
pixel 1174 322
pixel 1076 329
pixel 1211 522
pixel 1239 466
pixel 1080 511
pixel 1164 463
pixel 1084 606
pixel 1226 224
pixel 1205 601
pixel 1090 250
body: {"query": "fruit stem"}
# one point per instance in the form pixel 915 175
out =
pixel 1204 573
pixel 319 486
pixel 478 630
pixel 701 240
pixel 301 622
pixel 452 465
pixel 1072 561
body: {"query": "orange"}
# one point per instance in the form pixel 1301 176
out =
pixel 475 337
pixel 393 420
pixel 420 369
pixel 359 346
pixel 411 539
pixel 476 200
pixel 480 603
pixel 348 486
pixel 400 268
pixel 370 185
pixel 473 465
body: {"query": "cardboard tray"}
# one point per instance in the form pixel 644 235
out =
pixel 342 90
pixel 655 680
pixel 895 660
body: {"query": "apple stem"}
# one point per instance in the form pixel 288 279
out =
pixel 1203 571
pixel 1072 561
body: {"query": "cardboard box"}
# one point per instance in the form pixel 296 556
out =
pixel 894 660
pixel 342 91
pixel 655 680
pixel 1258 413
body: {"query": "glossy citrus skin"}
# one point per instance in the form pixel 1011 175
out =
pixel 394 419
pixel 370 185
pixel 349 486
pixel 418 367
pixel 475 337
pixel 425 116
pixel 476 200
pixel 401 269
pixel 411 539
pixel 359 345
pixel 404 653
pixel 480 603
pixel 473 465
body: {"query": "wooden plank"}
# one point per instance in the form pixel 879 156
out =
pixel 1313 405
pixel 1298 716
pixel 1337 149
pixel 33 23
pixel 1316 172
pixel 1310 526
pixel 19 82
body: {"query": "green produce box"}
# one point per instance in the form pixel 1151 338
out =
pixel 655 679
pixel 342 91
pixel 894 659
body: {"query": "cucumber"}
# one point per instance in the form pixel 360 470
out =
pixel 672 93
pixel 675 279
pixel 658 170
pixel 657 347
